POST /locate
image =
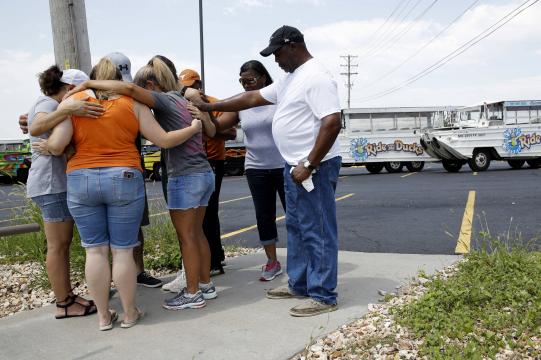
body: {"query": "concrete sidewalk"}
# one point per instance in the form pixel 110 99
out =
pixel 240 324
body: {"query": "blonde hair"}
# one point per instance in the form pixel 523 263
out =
pixel 158 72
pixel 105 69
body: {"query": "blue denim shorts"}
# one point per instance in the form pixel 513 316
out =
pixel 54 207
pixel 107 205
pixel 190 191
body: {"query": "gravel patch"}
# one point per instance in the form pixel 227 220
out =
pixel 377 336
pixel 18 294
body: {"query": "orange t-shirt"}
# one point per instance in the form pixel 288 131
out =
pixel 108 141
pixel 215 148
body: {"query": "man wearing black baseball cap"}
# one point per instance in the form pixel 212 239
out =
pixel 305 126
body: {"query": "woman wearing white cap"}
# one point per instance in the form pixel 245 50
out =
pixel 46 184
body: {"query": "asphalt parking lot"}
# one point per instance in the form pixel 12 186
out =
pixel 419 213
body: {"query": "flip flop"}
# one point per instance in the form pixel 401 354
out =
pixel 127 325
pixel 114 317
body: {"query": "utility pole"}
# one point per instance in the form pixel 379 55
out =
pixel 348 73
pixel 201 45
pixel 70 34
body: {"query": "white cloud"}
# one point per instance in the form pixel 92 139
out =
pixel 18 71
pixel 491 61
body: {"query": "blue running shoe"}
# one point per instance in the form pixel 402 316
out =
pixel 183 301
pixel 208 290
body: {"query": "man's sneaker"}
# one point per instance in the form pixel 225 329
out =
pixel 208 290
pixel 282 292
pixel 270 271
pixel 177 284
pixel 312 307
pixel 147 280
pixel 184 301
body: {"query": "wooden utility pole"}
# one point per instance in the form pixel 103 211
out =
pixel 348 73
pixel 70 34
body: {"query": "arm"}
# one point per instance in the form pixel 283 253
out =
pixel 44 122
pixel 138 93
pixel 152 131
pixel 60 138
pixel 225 125
pixel 330 127
pixel 209 124
pixel 23 123
pixel 242 101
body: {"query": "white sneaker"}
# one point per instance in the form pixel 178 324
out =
pixel 176 285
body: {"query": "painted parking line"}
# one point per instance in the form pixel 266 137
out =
pixel 221 202
pixel 357 166
pixel 409 174
pixel 464 238
pixel 237 199
pixel 474 173
pixel 279 218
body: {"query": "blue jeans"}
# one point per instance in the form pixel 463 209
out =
pixel 54 207
pixel 312 234
pixel 107 205
pixel 190 191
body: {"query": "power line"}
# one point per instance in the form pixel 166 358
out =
pixel 348 73
pixel 375 33
pixel 393 70
pixel 401 34
pixel 461 49
pixel 390 32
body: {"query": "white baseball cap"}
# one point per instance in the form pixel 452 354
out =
pixel 122 63
pixel 73 77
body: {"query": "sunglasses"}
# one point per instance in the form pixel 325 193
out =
pixel 249 81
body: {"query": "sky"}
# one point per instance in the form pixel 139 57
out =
pixel 394 41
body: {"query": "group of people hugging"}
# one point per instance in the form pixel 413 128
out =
pixel 87 169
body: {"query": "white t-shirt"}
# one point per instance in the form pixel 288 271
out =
pixel 303 98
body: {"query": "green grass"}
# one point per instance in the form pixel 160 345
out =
pixel 161 247
pixel 494 299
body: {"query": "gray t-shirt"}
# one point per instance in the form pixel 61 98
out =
pixel 48 173
pixel 189 157
pixel 261 151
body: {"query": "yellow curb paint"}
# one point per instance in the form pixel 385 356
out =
pixel 464 238
pixel 279 218
pixel 357 166
pixel 409 174
pixel 474 173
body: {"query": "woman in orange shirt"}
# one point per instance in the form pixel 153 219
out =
pixel 105 188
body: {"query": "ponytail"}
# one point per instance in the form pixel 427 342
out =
pixel 105 70
pixel 159 73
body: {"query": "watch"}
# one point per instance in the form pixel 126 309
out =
pixel 308 165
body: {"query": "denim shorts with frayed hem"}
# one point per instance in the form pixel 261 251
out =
pixel 107 205
pixel 54 207
pixel 190 191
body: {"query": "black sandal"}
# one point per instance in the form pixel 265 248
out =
pixel 69 301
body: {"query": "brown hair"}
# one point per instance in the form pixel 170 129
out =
pixel 158 72
pixel 49 81
pixel 105 70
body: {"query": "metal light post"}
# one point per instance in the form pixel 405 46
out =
pixel 201 46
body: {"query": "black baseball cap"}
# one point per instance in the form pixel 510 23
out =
pixel 284 35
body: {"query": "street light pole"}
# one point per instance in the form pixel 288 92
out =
pixel 201 45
